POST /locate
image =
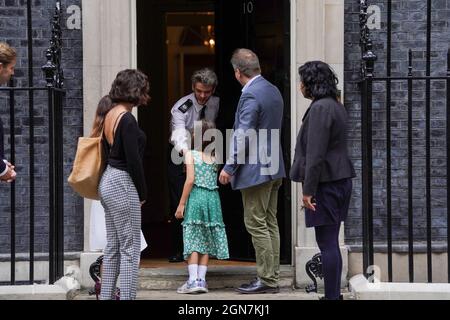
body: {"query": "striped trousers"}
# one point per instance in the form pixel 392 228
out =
pixel 120 199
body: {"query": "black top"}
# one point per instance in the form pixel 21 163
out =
pixel 127 152
pixel 321 151
pixel 2 154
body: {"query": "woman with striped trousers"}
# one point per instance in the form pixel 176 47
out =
pixel 122 188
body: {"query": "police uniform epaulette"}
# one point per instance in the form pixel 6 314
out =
pixel 186 106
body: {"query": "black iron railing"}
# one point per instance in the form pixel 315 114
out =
pixel 55 95
pixel 411 79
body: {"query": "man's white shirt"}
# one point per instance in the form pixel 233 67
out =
pixel 181 123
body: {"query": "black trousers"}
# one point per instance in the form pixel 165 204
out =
pixel 333 200
pixel 176 177
pixel 327 238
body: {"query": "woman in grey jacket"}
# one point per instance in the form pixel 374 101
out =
pixel 322 165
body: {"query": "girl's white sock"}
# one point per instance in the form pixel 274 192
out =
pixel 202 272
pixel 193 270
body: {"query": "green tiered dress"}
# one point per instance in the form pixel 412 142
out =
pixel 203 227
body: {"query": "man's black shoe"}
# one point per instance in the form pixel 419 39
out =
pixel 176 258
pixel 257 287
pixel 251 283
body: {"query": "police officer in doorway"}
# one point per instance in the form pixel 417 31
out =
pixel 199 105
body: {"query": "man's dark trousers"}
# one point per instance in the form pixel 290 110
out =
pixel 176 177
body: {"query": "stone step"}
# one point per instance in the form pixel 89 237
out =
pixel 214 294
pixel 218 277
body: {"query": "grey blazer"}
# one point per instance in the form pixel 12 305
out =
pixel 321 152
pixel 260 107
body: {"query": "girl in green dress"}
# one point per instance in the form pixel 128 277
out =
pixel 203 228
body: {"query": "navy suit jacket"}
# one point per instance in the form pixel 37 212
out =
pixel 260 110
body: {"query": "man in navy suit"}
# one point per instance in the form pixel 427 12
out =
pixel 7 64
pixel 256 166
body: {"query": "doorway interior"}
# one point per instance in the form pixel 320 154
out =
pixel 177 37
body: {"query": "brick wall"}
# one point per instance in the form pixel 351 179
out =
pixel 13 29
pixel 408 31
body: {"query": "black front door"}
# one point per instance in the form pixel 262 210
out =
pixel 262 26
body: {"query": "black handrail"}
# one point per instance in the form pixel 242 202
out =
pixel 367 80
pixel 55 95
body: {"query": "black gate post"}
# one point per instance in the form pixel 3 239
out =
pixel 367 68
pixel 13 184
pixel 55 82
